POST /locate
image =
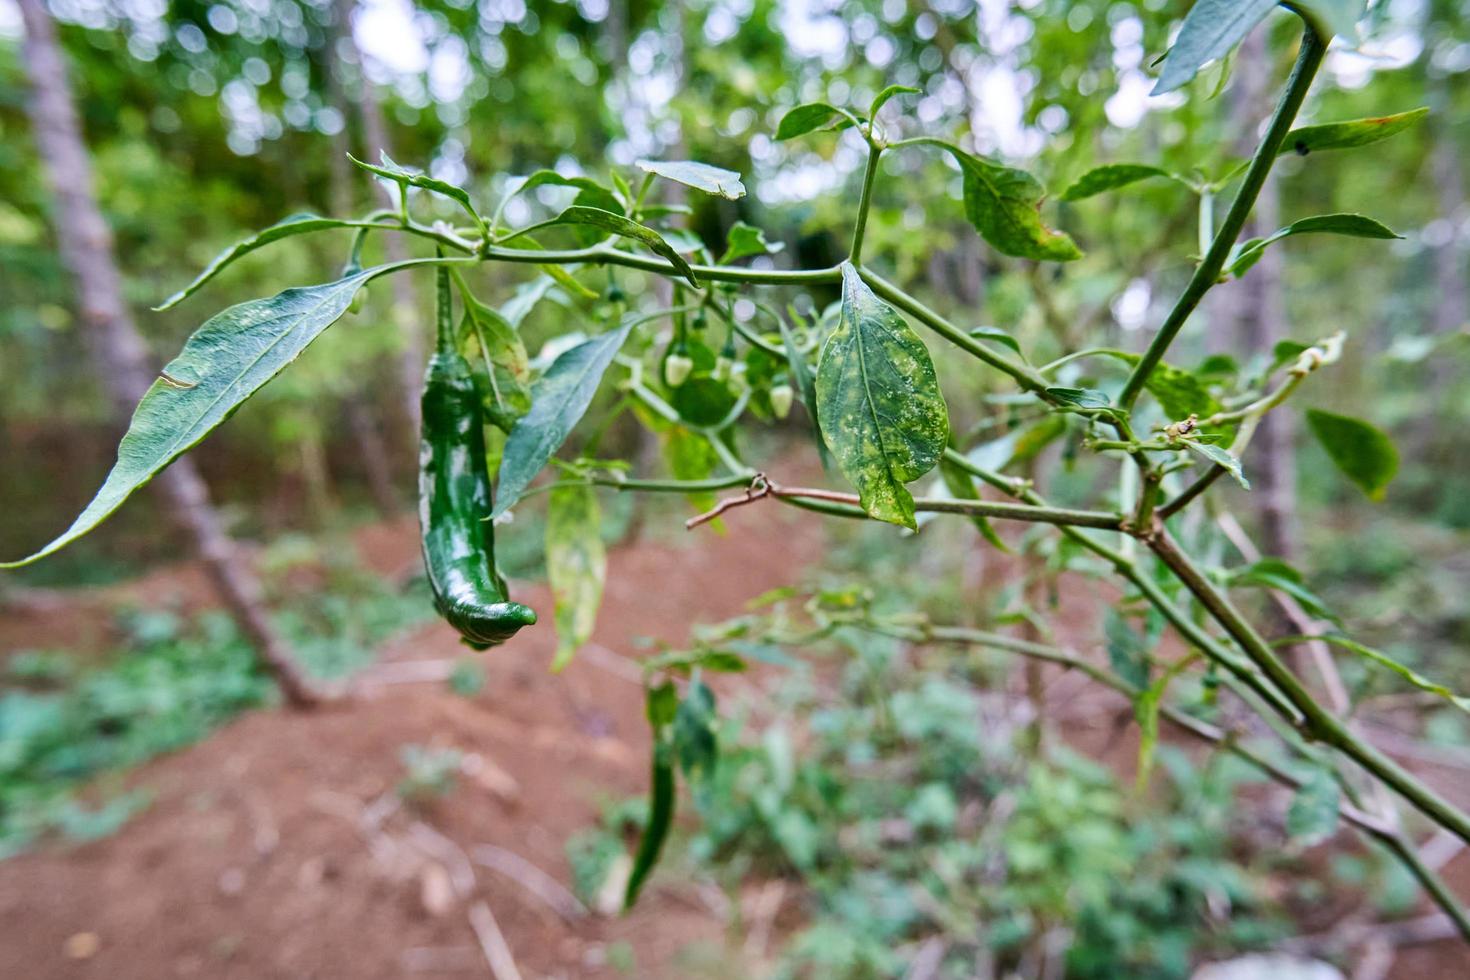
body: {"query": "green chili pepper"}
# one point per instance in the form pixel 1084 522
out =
pixel 455 499
pixel 660 817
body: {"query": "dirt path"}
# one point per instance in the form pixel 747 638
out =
pixel 276 848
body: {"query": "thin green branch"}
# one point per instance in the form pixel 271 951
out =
pixel 865 200
pixel 607 255
pixel 1208 272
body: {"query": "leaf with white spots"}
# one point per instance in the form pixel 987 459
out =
pixel 881 410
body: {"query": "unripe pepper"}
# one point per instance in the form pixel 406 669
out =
pixel 677 364
pixel 781 396
pixel 455 499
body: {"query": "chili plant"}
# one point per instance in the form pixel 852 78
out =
pixel 869 385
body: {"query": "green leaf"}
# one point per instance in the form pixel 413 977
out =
pixel 1221 457
pixel 524 300
pixel 498 363
pixel 813 115
pixel 691 457
pixel 1110 177
pixel 1180 394
pixel 1349 134
pixel 660 705
pixel 627 228
pixel 1211 29
pixel 747 240
pixel 409 178
pixel 961 486
pixel 1003 203
pixel 1384 660
pixel 997 336
pixel 660 818
pixel 700 176
pixel 1331 17
pixel 1127 650
pixel 1248 253
pixel 1363 453
pixel 1273 573
pixel 694 732
pixel 1080 397
pixel 591 193
pixel 1312 815
pixel 227 360
pixel 559 398
pixel 882 413
pixel 576 566
pixel 296 224
pixel 882 97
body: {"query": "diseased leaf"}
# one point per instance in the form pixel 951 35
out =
pixel 1349 134
pixel 1248 253
pixel 227 360
pixel 1221 457
pixel 1003 203
pixel 498 362
pixel 1211 29
pixel 409 178
pixel 805 118
pixel 1110 177
pixel 747 240
pixel 882 413
pixel 627 228
pixel 1363 453
pixel 882 97
pixel 558 400
pixel 1312 815
pixel 700 176
pixel 296 224
pixel 576 566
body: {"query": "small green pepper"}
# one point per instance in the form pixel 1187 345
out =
pixel 781 396
pixel 455 499
pixel 677 364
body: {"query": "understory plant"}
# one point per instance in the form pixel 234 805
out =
pixel 735 339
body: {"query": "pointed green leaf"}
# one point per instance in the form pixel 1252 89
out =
pixel 694 732
pixel 1273 573
pixel 1384 660
pixel 746 240
pixel 1128 651
pixel 882 413
pixel 882 97
pixel 576 566
pixel 592 194
pixel 296 224
pixel 1211 29
pixel 559 398
pixel 1331 17
pixel 1080 397
pixel 410 178
pixel 700 176
pixel 628 228
pixel 1110 177
pixel 1349 134
pixel 1003 203
pixel 998 336
pixel 813 115
pixel 226 361
pixel 524 300
pixel 961 486
pixel 1248 253
pixel 1363 453
pixel 1221 457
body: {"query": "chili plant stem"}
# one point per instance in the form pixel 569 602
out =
pixel 606 255
pixel 870 174
pixel 1317 722
pixel 1208 272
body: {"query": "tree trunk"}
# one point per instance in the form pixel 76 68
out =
pixel 122 359
pixel 1256 304
pixel 405 303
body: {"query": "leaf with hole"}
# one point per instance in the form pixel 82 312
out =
pixel 881 410
pixel 1350 134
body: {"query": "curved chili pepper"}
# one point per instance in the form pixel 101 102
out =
pixel 455 499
